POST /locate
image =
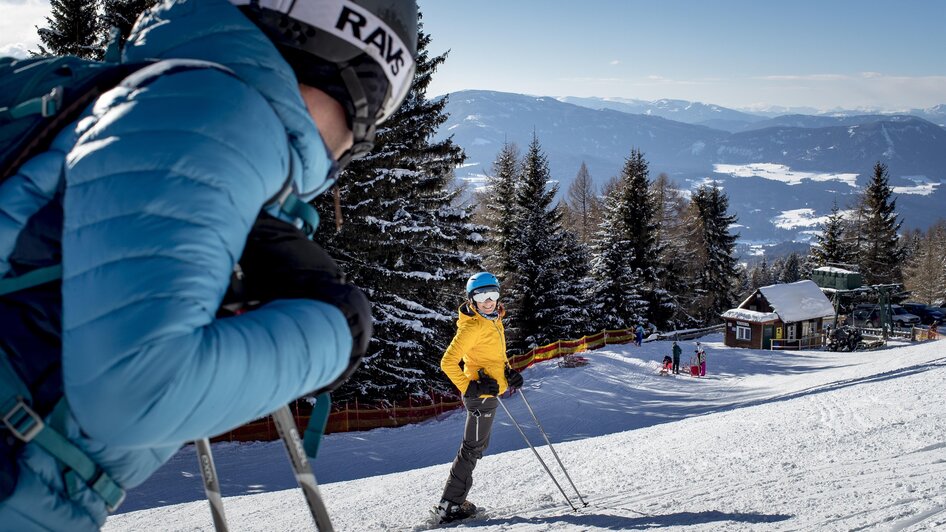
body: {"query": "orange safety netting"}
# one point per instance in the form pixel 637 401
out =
pixel 347 417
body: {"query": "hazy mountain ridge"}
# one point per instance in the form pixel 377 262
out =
pixel 812 149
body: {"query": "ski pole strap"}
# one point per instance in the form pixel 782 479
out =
pixel 316 427
pixel 29 280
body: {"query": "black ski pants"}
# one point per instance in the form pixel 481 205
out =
pixel 676 364
pixel 480 414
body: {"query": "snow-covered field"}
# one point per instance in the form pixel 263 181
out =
pixel 767 441
pixel 780 172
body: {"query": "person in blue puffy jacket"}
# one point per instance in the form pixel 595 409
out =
pixel 156 188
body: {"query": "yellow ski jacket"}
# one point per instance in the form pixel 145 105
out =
pixel 479 343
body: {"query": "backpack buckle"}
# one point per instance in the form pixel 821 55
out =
pixel 23 422
pixel 52 102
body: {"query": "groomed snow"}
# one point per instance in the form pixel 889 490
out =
pixel 781 440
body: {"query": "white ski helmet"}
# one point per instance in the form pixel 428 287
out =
pixel 360 52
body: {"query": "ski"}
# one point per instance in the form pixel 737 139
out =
pixel 286 426
pixel 208 471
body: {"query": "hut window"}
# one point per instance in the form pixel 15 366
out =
pixel 743 333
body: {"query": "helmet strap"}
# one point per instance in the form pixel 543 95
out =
pixel 363 127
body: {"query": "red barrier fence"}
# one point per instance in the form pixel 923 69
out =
pixel 347 417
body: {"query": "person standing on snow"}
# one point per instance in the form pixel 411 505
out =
pixel 639 335
pixel 701 359
pixel 676 358
pixel 480 343
pixel 148 200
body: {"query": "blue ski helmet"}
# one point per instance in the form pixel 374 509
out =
pixel 481 280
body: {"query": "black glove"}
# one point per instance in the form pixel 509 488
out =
pixel 513 379
pixel 485 386
pixel 280 262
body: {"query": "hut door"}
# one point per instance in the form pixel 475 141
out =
pixel 767 336
pixel 790 331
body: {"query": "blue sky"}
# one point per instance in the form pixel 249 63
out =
pixel 738 53
pixel 824 54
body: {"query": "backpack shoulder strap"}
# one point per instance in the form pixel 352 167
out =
pixel 27 426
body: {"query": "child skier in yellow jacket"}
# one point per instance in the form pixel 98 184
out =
pixel 480 343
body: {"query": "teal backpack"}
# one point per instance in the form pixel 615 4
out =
pixel 39 97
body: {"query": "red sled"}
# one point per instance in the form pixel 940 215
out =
pixel 695 371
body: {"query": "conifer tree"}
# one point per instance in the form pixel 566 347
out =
pixel 791 269
pixel 756 276
pixel 713 245
pixel 121 14
pixel 573 318
pixel 72 29
pixel 830 246
pixel 925 273
pixel 616 303
pixel 880 254
pixel 672 286
pixel 640 220
pixel 498 207
pixel 406 242
pixel 535 298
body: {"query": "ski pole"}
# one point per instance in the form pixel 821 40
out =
pixel 541 461
pixel 286 427
pixel 208 471
pixel 555 454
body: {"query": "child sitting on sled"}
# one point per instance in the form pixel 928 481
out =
pixel 668 365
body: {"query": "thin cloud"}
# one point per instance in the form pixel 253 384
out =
pixel 805 77
pixel 615 62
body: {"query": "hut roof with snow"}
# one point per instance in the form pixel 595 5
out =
pixel 790 303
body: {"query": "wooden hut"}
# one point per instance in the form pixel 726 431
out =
pixel 780 316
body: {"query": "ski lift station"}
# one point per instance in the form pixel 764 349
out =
pixel 781 316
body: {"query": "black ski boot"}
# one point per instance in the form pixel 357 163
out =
pixel 449 512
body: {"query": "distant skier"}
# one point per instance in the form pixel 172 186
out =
pixel 480 343
pixel 639 335
pixel 676 358
pixel 701 358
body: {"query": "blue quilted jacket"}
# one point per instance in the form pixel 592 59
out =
pixel 162 184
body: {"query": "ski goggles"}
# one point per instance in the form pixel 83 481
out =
pixel 483 297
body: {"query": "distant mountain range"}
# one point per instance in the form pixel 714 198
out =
pixel 781 173
pixel 727 119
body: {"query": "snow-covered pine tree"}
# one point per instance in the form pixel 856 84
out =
pixel 407 243
pixel 925 272
pixel 574 264
pixel 497 207
pixel 672 283
pixel 760 275
pixel 880 254
pixel 535 296
pixel 713 246
pixel 121 14
pixel 72 29
pixel 791 269
pixel 640 222
pixel 615 301
pixel 830 247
